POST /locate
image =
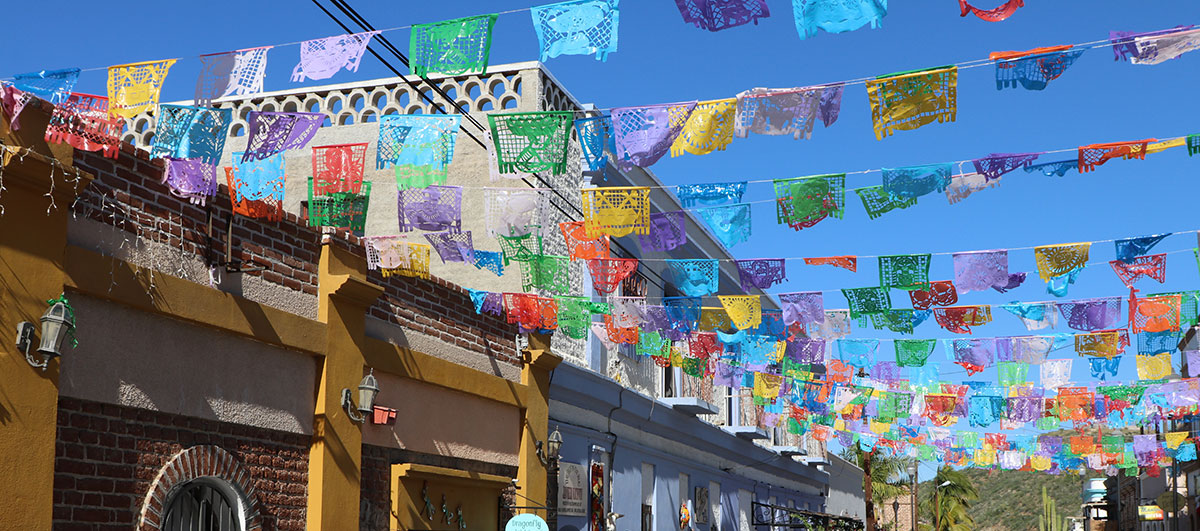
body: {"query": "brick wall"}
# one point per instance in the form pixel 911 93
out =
pixel 439 309
pixel 128 194
pixel 107 458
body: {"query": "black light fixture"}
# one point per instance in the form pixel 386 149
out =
pixel 57 323
pixel 368 388
pixel 552 447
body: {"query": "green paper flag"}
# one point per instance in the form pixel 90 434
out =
pixel 547 272
pixel 904 271
pixel 531 142
pixel 913 352
pixel 1013 373
pixel 520 248
pixel 878 202
pixel 342 210
pixel 802 202
pixel 451 47
pixel 575 315
pixel 866 301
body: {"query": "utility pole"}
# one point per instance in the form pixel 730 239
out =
pixel 937 506
pixel 866 462
pixel 913 477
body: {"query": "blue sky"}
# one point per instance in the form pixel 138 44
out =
pixel 662 59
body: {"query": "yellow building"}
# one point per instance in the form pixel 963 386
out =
pixel 197 392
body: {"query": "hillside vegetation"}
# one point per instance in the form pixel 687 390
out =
pixel 1011 500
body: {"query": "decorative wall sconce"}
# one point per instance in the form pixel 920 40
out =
pixel 553 445
pixel 57 323
pixel 367 389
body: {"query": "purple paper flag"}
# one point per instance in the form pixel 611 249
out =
pixel 1193 360
pixel 716 15
pixel 433 208
pixel 805 350
pixel 645 134
pixel 728 375
pixel 980 270
pixel 453 246
pixel 761 273
pixel 192 179
pixel 238 73
pixel 1091 314
pixel 666 232
pixel 275 132
pixel 997 164
pixel 804 308
pixel 322 58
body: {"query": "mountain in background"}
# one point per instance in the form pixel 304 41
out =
pixel 1011 500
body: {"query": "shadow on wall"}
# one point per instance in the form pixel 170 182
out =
pixel 130 357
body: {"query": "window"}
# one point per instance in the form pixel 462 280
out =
pixel 672 383
pixel 205 504
pixel 647 497
pixel 744 508
pixel 714 502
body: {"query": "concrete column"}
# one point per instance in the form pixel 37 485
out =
pixel 335 458
pixel 32 245
pixel 539 361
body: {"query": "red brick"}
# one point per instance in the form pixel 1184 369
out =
pixel 91 515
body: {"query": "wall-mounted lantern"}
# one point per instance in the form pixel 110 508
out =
pixel 367 389
pixel 57 323
pixel 553 446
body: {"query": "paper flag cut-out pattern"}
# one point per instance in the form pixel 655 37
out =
pixel 433 208
pixel 451 47
pixel 729 223
pixel 616 211
pixel 836 16
pixel 708 128
pixel 238 73
pixel 716 15
pixel 579 27
pixel 531 142
pixel 420 147
pixel 644 134
pixel 322 58
pixel 909 100
pixel 186 132
pixel 995 14
pixel 275 132
pixel 338 168
pixel 134 88
pixel 83 122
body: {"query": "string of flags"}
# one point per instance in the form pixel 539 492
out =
pixel 799 361
pixel 640 135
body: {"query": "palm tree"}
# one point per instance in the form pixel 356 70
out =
pixel 887 475
pixel 949 505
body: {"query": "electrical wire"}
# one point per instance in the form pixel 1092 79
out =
pixel 350 12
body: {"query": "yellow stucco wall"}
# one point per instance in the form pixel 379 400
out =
pixel 476 495
pixel 32 242
pixel 36 264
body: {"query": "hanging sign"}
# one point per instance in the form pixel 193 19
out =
pixel 572 489
pixel 1150 513
pixel 526 522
